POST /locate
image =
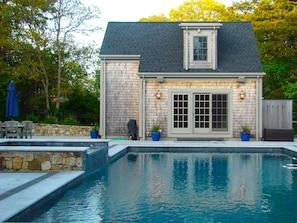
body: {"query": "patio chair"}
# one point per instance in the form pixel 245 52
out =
pixel 11 129
pixel 1 130
pixel 28 125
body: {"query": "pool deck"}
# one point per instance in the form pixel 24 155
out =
pixel 19 190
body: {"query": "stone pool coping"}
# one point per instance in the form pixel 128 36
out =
pixel 42 148
pixel 21 199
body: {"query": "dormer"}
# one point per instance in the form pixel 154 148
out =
pixel 200 45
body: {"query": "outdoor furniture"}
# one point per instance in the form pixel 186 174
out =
pixel 27 130
pixel 278 134
pixel 11 129
pixel 132 129
pixel 1 130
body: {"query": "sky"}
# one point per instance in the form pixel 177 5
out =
pixel 131 11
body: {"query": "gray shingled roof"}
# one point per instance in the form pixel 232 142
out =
pixel 160 45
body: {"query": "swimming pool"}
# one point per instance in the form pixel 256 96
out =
pixel 184 187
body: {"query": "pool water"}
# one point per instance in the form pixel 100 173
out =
pixel 184 187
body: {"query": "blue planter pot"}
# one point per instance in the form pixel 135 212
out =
pixel 156 136
pixel 245 136
pixel 94 134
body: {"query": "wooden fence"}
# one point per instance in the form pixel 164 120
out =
pixel 277 114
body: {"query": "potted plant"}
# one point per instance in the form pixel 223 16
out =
pixel 94 132
pixel 245 133
pixel 156 132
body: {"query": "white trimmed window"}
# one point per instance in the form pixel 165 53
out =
pixel 200 48
pixel 200 45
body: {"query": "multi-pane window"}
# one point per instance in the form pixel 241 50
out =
pixel 200 48
pixel 201 111
pixel 180 111
pixel 219 112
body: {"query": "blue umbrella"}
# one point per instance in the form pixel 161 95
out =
pixel 12 110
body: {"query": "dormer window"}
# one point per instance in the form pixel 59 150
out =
pixel 200 45
pixel 200 48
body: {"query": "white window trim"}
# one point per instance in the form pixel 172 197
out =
pixel 201 64
pixel 199 28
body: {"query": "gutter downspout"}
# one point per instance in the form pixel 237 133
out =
pixel 259 108
pixel 103 100
pixel 143 107
pixel 216 49
pixel 187 49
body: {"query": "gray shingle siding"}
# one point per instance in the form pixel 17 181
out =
pixel 160 45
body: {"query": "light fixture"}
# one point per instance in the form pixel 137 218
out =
pixel 241 95
pixel 241 79
pixel 158 94
pixel 160 79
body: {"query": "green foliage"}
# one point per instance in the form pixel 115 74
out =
pixel 70 121
pixel 199 10
pixel 155 18
pixel 95 127
pixel 245 129
pixel 291 90
pixel 51 120
pixel 33 118
pixel 156 128
pixel 196 10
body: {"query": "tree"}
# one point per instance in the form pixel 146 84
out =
pixel 69 17
pixel 155 18
pixel 23 24
pixel 199 10
pixel 276 33
pixel 28 51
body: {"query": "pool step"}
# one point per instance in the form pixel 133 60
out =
pixel 116 151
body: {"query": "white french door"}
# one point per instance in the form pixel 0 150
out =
pixel 202 114
pixel 194 113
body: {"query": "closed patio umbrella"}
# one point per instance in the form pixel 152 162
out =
pixel 11 102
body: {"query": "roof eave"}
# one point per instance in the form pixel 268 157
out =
pixel 119 57
pixel 201 75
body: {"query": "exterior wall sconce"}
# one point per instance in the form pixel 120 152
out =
pixel 158 95
pixel 241 95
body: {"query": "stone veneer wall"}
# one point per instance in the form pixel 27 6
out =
pixel 41 161
pixel 86 156
pixel 60 130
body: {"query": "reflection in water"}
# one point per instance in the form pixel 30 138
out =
pixel 202 173
pixel 185 187
pixel 180 173
pixel 132 157
pixel 219 172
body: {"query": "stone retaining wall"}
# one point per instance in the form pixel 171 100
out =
pixel 60 130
